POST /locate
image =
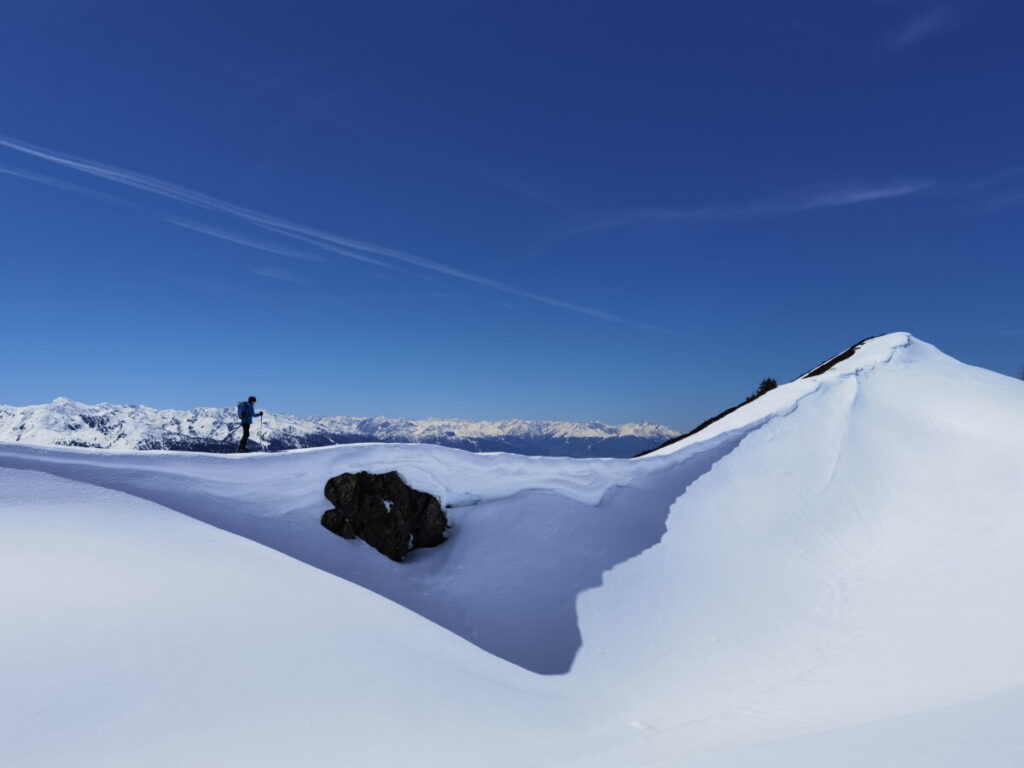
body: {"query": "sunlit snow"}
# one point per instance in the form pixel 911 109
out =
pixel 829 576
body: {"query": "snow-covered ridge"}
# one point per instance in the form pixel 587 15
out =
pixel 827 576
pixel 137 427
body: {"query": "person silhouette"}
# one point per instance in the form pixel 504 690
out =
pixel 246 412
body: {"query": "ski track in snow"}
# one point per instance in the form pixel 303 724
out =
pixel 830 575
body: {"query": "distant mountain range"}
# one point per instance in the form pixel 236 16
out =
pixel 136 427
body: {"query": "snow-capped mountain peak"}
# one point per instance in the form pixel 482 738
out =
pixel 136 427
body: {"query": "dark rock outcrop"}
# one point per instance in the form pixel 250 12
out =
pixel 385 512
pixel 837 359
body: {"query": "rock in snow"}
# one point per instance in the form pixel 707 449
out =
pixel 383 511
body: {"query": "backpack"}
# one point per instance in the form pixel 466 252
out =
pixel 242 409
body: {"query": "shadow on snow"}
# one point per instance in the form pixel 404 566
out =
pixel 508 578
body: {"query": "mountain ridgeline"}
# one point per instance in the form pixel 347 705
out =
pixel 766 385
pixel 65 422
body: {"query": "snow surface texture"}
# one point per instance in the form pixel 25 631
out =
pixel 831 575
pixel 66 422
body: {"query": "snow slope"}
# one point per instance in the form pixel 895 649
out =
pixel 831 575
pixel 66 422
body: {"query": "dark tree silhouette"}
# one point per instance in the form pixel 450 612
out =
pixel 766 385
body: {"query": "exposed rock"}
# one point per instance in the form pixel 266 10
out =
pixel 385 512
pixel 837 359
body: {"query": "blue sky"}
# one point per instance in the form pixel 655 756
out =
pixel 568 210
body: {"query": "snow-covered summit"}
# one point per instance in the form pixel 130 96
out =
pixel 136 427
pixel 829 575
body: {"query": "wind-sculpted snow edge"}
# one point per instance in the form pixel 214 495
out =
pixel 544 530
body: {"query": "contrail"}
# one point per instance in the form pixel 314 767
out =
pixel 67 186
pixel 233 237
pixel 318 237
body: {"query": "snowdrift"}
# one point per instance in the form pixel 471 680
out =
pixel 830 575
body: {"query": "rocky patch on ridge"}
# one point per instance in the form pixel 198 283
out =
pixel 385 512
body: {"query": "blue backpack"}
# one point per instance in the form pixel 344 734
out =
pixel 242 409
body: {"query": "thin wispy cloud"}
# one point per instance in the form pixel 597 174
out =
pixel 789 204
pixel 326 246
pixel 277 273
pixel 233 237
pixel 998 190
pixel 338 243
pixel 997 178
pixel 1006 199
pixel 205 229
pixel 921 27
pixel 838 198
pixel 66 186
pixel 191 197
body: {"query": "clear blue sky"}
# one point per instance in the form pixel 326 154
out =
pixel 571 210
